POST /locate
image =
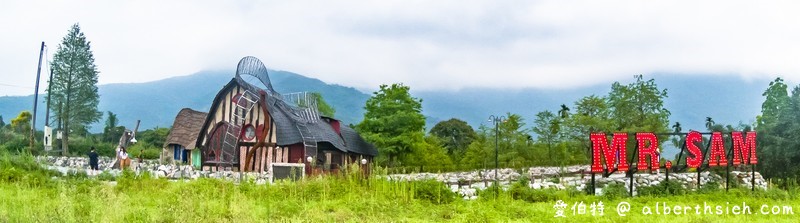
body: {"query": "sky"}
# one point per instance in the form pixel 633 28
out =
pixel 428 45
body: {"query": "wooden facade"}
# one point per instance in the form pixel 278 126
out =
pixel 215 127
pixel 332 150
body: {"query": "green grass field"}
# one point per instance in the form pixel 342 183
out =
pixel 31 195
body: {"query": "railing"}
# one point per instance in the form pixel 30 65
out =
pixel 466 167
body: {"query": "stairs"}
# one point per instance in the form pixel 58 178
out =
pixel 242 106
pixel 304 111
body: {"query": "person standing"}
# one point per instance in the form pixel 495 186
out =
pixel 140 160
pixel 93 162
pixel 117 161
pixel 123 159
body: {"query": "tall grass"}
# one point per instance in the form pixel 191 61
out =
pixel 33 195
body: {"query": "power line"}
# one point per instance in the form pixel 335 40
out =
pixel 11 85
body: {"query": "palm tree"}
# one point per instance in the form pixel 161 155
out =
pixel 677 127
pixel 709 123
pixel 564 111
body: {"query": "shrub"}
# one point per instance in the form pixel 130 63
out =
pixel 491 192
pixel 433 191
pixel 24 170
pixel 150 152
pixel 14 143
pixel 773 194
pixel 614 191
pixel 106 176
pixel 666 188
pixel 532 195
pixel 76 174
pixel 521 191
pixel 709 187
pixel 80 146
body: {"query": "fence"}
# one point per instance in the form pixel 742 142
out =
pixel 460 167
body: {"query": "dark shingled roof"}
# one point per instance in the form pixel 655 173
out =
pixel 185 129
pixel 288 133
pixel 357 144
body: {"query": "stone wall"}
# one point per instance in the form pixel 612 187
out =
pixel 169 171
pixel 579 177
pixel 465 183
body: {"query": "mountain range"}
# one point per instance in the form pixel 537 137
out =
pixel 728 99
pixel 157 103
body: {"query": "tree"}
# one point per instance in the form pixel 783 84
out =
pixel 22 123
pixel 112 132
pixel 430 153
pixel 564 111
pixel 592 114
pixel 777 97
pixel 393 122
pixel 2 123
pixel 479 153
pixel 709 123
pixel 74 85
pixel 324 108
pixel 154 137
pixel 639 106
pixel 513 145
pixel 456 135
pixel 784 154
pixel 677 127
pixel 777 128
pixel 547 128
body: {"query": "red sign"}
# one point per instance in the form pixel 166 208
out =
pixel 615 153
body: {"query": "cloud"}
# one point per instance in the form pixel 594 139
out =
pixel 427 45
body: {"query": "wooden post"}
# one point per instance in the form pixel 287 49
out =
pixel 753 177
pixel 36 99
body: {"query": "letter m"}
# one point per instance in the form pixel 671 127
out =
pixel 614 154
pixel 744 148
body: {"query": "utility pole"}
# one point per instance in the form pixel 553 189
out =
pixel 36 98
pixel 48 131
pixel 496 121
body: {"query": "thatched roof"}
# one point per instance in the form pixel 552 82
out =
pixel 186 127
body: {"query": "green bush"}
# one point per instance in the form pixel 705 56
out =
pixel 149 151
pixel 129 181
pixel 773 194
pixel 614 191
pixel 76 174
pixel 13 143
pixel 520 190
pixel 533 195
pixel 709 187
pixel 433 191
pixel 491 192
pixel 24 170
pixel 80 146
pixel 106 176
pixel 666 188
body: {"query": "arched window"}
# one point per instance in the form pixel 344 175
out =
pixel 213 147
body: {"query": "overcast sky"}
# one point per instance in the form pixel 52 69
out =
pixel 425 44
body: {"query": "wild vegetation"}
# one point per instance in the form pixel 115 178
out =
pixel 16 140
pixel 31 194
pixel 394 123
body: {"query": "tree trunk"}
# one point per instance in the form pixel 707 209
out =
pixel 65 139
